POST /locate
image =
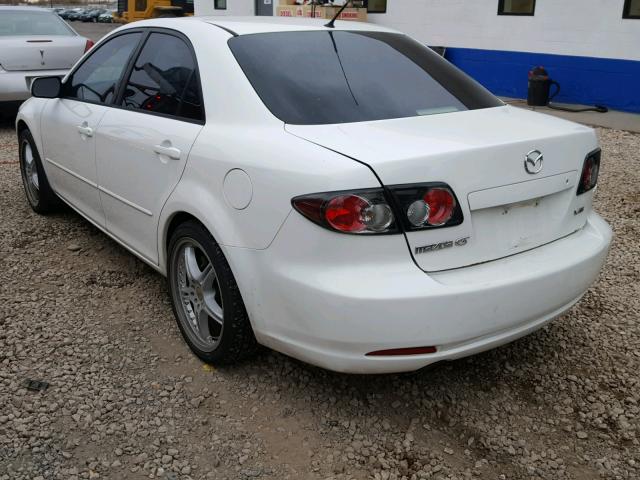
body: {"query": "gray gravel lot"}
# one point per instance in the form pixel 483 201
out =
pixel 127 400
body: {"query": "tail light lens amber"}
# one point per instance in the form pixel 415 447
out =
pixel 590 171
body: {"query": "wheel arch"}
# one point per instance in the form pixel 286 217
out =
pixel 173 221
pixel 21 126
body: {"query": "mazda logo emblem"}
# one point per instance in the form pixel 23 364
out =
pixel 533 162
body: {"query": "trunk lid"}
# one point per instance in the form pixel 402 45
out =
pixel 480 154
pixel 40 52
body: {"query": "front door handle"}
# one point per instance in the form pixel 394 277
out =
pixel 172 152
pixel 85 130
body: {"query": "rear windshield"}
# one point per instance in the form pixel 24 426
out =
pixel 325 77
pixel 23 22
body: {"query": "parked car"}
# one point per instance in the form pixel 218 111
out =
pixel 64 13
pixel 342 195
pixel 34 42
pixel 91 15
pixel 106 17
pixel 75 14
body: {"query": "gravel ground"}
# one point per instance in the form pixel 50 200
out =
pixel 127 400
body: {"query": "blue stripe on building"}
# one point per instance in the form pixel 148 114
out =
pixel 584 80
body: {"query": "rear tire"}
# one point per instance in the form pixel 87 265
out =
pixel 205 297
pixel 40 196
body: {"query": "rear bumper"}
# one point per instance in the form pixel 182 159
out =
pixel 332 315
pixel 16 86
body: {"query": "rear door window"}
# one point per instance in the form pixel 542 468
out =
pixel 164 79
pixel 321 77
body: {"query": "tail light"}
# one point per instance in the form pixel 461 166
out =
pixel 590 171
pixel 88 45
pixel 412 207
pixel 357 212
pixel 427 206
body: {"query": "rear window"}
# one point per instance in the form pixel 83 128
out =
pixel 326 77
pixel 23 22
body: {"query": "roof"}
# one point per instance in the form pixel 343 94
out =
pixel 249 25
pixel 27 9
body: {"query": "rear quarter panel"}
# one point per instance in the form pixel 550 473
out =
pixel 280 167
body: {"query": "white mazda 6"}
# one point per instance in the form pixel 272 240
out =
pixel 342 195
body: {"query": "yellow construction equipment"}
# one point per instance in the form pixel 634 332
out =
pixel 132 10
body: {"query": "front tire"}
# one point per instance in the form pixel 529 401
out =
pixel 40 196
pixel 205 297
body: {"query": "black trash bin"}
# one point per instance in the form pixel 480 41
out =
pixel 540 88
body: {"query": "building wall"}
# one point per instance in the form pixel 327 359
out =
pixel 234 7
pixel 585 45
pixel 592 28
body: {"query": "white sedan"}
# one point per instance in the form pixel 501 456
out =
pixel 342 195
pixel 34 42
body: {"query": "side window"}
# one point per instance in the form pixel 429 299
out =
pixel 517 7
pixel 164 79
pixel 631 9
pixel 97 79
pixel 376 6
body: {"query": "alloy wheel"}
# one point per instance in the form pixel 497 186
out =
pixel 30 173
pixel 197 295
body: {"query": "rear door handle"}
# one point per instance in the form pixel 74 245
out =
pixel 172 152
pixel 85 130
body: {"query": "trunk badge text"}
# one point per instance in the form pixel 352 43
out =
pixel 461 242
pixel 533 162
pixel 41 57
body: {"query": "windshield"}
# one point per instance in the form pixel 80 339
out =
pixel 23 22
pixel 325 77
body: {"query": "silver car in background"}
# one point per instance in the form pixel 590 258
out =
pixel 34 42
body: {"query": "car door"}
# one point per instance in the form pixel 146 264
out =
pixel 69 124
pixel 142 147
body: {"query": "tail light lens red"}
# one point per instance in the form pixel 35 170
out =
pixel 590 171
pixel 442 205
pixel 357 212
pixel 427 206
pixel 88 45
pixel 414 207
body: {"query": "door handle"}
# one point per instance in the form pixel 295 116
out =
pixel 172 152
pixel 85 130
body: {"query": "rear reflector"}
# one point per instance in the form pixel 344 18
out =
pixel 398 352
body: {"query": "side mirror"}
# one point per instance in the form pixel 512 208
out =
pixel 46 87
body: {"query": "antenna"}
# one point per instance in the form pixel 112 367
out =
pixel 333 20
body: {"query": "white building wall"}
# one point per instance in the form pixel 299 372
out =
pixel 592 28
pixel 234 8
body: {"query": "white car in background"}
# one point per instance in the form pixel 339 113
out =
pixel 34 42
pixel 342 195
